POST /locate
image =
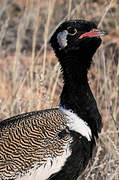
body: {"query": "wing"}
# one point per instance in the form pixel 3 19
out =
pixel 30 139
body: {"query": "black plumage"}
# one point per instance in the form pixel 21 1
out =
pixel 75 60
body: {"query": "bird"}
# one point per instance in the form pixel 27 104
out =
pixel 57 143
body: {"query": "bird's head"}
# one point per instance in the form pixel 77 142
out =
pixel 76 37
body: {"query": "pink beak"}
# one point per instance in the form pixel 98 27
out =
pixel 93 33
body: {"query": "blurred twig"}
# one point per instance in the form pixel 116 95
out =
pixel 105 12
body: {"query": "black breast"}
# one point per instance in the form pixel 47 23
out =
pixel 77 162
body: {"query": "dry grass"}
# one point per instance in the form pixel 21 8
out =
pixel 30 75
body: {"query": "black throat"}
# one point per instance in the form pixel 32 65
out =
pixel 76 94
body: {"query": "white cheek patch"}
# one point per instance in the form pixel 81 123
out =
pixel 62 39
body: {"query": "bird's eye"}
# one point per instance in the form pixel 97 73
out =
pixel 72 31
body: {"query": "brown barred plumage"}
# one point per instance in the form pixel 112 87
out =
pixel 28 139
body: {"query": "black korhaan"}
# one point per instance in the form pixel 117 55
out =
pixel 57 144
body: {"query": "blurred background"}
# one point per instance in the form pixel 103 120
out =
pixel 30 77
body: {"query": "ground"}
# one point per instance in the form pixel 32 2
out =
pixel 30 77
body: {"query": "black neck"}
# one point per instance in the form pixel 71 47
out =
pixel 76 94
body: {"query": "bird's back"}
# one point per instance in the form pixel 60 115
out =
pixel 29 140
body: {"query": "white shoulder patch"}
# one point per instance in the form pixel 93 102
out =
pixel 75 123
pixel 62 38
